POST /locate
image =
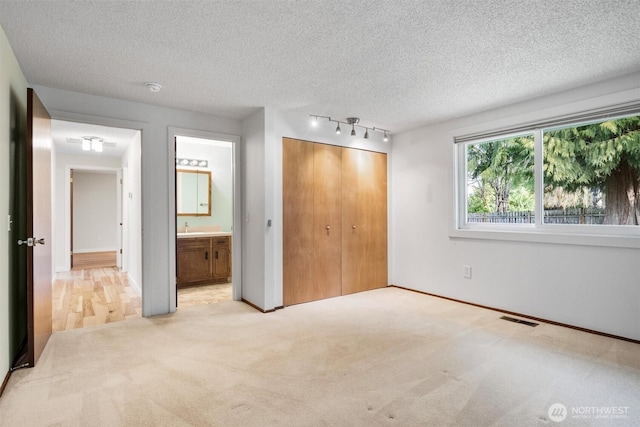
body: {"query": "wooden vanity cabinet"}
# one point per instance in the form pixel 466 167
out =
pixel 203 260
pixel 221 258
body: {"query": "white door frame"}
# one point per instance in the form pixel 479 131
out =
pixel 236 245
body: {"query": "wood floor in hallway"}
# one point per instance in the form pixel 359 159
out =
pixel 95 296
pixel 90 297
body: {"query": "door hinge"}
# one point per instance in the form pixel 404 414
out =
pixel 120 250
pixel 71 180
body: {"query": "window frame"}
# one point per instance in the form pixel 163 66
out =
pixel 627 236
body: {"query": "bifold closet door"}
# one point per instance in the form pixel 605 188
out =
pixel 364 220
pixel 311 215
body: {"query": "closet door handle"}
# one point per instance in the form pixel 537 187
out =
pixel 216 254
pixel 206 255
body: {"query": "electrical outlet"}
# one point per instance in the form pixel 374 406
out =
pixel 466 271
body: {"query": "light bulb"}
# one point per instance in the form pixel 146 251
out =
pixel 386 138
pixel 314 122
pixel 366 134
pixel 353 131
pixel 96 144
pixel 338 129
pixel 86 144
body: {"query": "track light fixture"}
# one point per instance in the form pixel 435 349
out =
pixel 354 122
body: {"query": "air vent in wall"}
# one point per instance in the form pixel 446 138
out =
pixel 514 320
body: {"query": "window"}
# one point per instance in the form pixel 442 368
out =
pixel 592 173
pixel 563 176
pixel 500 180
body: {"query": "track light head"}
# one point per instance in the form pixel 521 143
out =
pixel 353 121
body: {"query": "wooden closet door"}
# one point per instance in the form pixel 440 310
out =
pixel 297 215
pixel 327 222
pixel 364 220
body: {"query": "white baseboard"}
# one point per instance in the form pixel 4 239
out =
pixel 90 250
pixel 134 285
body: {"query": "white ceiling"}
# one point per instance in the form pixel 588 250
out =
pixel 395 64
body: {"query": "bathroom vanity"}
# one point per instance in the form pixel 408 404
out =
pixel 203 257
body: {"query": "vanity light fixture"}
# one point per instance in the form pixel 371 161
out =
pixel 354 122
pixel 192 162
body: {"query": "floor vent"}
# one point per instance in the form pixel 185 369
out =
pixel 514 320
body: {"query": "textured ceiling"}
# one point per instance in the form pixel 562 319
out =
pixel 395 64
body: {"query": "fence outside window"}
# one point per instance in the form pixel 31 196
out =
pixel 551 216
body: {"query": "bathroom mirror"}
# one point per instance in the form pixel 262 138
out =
pixel 193 192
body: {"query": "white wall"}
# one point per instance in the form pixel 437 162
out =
pixel 11 81
pixel 158 221
pixel 253 212
pixel 61 200
pixel 592 287
pixel 132 213
pixel 95 214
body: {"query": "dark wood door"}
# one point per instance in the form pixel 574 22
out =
pixel 364 229
pixel 38 227
pixel 71 215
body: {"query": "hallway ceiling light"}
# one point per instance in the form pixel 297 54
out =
pixel 92 143
pixel 354 122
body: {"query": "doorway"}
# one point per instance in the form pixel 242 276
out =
pixel 97 221
pixel 206 232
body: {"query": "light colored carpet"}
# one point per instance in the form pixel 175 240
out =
pixel 387 357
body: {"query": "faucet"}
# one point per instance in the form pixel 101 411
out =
pixel 186 227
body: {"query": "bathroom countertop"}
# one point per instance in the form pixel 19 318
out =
pixel 192 234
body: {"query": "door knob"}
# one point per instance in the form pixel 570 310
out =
pixel 28 242
pixel 328 227
pixel 38 241
pixel 353 226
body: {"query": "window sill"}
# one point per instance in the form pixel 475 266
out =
pixel 517 234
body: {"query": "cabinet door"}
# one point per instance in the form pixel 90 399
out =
pixel 221 265
pixel 364 220
pixel 194 260
pixel 297 215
